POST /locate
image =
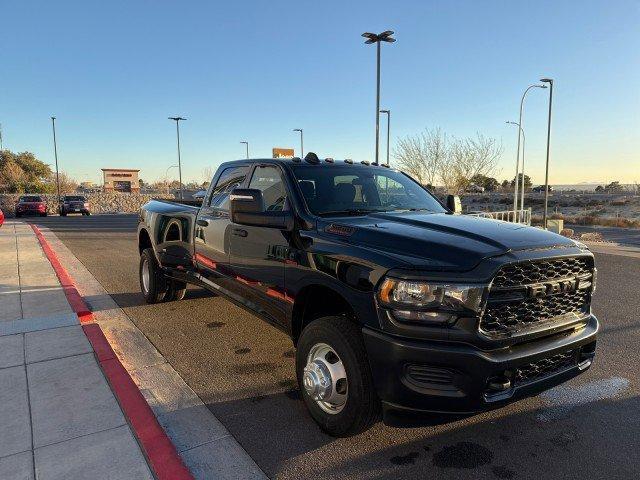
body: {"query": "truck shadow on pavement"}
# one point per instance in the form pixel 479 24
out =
pixel 597 440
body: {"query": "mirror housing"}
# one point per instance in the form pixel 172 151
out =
pixel 454 204
pixel 247 208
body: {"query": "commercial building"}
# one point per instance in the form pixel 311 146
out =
pixel 122 180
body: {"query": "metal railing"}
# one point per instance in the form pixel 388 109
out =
pixel 514 216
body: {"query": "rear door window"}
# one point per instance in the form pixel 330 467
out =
pixel 230 178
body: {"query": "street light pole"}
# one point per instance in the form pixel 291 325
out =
pixel 166 176
pixel 546 174
pixel 388 112
pixel 373 38
pixel 247 145
pixel 55 153
pixel 177 120
pixel 515 192
pixel 520 132
pixel 301 141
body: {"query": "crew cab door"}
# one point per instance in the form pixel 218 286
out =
pixel 213 227
pixel 258 254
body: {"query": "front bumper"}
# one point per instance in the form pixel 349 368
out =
pixel 74 209
pixel 447 377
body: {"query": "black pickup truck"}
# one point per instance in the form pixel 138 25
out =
pixel 396 303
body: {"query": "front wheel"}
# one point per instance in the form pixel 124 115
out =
pixel 152 281
pixel 334 377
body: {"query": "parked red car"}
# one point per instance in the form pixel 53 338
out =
pixel 31 204
pixel 1 217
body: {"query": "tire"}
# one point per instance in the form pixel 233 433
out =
pixel 18 215
pixel 63 214
pixel 176 290
pixel 43 214
pixel 154 286
pixel 361 408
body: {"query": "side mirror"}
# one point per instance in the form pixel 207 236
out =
pixel 247 208
pixel 454 204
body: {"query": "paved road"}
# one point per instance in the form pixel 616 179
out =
pixel 243 370
pixel 624 236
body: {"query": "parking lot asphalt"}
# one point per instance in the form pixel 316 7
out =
pixel 624 236
pixel 243 370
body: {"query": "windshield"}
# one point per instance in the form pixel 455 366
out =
pixel 359 189
pixel 30 199
pixel 73 198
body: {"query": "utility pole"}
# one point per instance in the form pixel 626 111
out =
pixel 388 112
pixel 301 141
pixel 515 192
pixel 546 174
pixel 55 153
pixel 377 39
pixel 246 145
pixel 177 120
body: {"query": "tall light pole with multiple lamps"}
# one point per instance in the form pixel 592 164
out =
pixel 377 39
pixel 247 145
pixel 301 141
pixel 546 174
pixel 55 154
pixel 520 132
pixel 515 192
pixel 388 112
pixel 177 120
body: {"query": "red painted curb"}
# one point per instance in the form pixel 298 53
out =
pixel 73 296
pixel 161 453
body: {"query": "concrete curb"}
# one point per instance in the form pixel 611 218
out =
pixel 163 458
pixel 206 447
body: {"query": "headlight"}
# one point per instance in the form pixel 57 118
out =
pixel 426 301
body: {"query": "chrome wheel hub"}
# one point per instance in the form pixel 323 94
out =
pixel 325 379
pixel 145 276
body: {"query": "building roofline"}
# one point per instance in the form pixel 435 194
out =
pixel 120 170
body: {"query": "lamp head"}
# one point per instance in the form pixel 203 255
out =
pixel 547 80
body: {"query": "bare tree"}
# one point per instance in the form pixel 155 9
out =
pixel 67 184
pixel 207 175
pixel 432 157
pixel 421 156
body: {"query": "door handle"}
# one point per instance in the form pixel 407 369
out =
pixel 203 223
pixel 240 232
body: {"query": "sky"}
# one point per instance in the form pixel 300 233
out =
pixel 112 72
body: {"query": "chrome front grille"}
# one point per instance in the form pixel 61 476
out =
pixel 535 294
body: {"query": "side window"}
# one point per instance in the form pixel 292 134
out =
pixel 230 178
pixel 274 192
pixel 390 191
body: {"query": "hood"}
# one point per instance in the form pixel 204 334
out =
pixel 442 241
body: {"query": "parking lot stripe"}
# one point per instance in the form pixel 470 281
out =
pixel 162 455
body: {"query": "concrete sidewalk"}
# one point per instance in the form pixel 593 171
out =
pixel 58 416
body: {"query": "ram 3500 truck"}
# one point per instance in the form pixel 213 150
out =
pixel 395 303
